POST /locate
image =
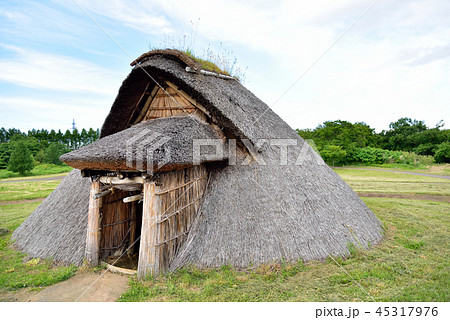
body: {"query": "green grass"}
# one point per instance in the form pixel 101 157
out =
pixel 390 182
pixel 437 169
pixel 411 264
pixel 15 271
pixel 205 64
pixel 26 190
pixel 39 170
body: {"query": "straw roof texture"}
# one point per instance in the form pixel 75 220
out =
pixel 57 228
pixel 251 213
pixel 173 136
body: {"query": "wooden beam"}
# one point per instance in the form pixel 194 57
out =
pixel 116 180
pixel 103 193
pixel 149 261
pixel 134 198
pixel 147 104
pixel 93 229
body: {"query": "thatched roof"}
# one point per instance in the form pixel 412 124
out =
pixel 173 136
pixel 252 213
pixel 57 228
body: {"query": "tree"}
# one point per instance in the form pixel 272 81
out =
pixel 21 159
pixel 53 152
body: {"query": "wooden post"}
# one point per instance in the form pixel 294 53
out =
pixel 148 253
pixel 93 228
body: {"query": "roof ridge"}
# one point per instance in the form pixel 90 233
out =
pixel 189 61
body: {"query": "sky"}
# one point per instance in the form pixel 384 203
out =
pixel 310 61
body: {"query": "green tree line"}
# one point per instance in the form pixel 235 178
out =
pixel 406 141
pixel 20 151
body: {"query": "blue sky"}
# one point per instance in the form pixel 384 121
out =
pixel 56 64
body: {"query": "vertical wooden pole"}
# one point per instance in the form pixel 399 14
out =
pixel 148 253
pixel 93 228
pixel 132 227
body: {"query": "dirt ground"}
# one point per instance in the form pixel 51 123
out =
pixel 83 287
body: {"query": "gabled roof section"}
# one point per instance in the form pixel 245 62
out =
pixel 237 111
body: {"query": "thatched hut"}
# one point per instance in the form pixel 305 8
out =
pixel 193 169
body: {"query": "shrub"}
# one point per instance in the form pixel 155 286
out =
pixel 443 153
pixel 333 154
pixel 371 155
pixel 415 159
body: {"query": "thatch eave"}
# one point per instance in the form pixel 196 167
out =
pixel 168 142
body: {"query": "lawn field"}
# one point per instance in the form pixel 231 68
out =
pixel 38 171
pixel 410 264
pixel 393 182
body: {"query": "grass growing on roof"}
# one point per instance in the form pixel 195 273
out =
pixel 205 64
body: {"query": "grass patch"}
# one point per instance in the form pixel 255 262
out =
pixel 392 182
pixel 40 170
pixel 12 191
pixel 437 169
pixel 15 272
pixel 411 264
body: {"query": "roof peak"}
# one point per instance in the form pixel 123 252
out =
pixel 192 62
pixel 175 53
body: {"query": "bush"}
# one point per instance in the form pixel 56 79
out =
pixel 21 159
pixel 443 153
pixel 370 155
pixel 333 154
pixel 415 159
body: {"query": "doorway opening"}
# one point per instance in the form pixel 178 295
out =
pixel 121 229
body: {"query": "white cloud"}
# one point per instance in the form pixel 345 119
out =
pixel 394 62
pixel 54 72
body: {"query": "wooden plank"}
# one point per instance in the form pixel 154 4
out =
pixel 93 228
pixel 115 269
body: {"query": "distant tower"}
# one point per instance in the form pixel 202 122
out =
pixel 73 125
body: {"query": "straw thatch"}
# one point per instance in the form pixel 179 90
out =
pixel 174 137
pixel 250 213
pixel 57 228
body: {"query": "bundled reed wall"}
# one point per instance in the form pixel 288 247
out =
pixel 180 195
pixel 170 206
